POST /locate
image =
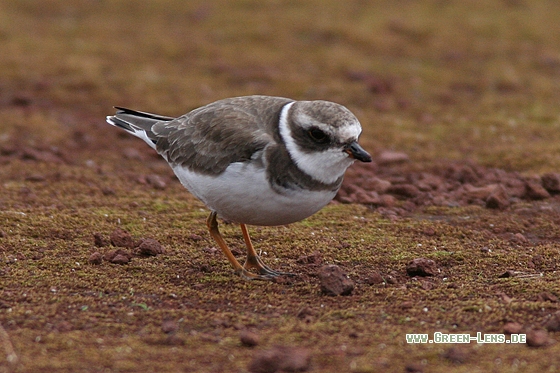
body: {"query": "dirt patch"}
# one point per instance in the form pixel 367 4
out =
pixel 397 186
pixel 105 261
pixel 411 261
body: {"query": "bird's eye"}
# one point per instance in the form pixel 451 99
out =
pixel 317 135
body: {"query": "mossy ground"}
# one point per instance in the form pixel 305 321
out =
pixel 475 81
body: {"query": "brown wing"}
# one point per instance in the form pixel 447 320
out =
pixel 210 138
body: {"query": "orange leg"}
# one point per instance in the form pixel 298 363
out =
pixel 254 261
pixel 242 271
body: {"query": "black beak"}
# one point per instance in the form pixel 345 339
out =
pixel 355 151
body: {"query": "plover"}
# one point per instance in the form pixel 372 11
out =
pixel 254 160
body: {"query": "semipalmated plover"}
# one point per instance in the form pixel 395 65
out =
pixel 256 160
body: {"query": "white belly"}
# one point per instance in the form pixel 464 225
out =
pixel 242 194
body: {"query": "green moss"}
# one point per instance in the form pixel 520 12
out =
pixel 488 93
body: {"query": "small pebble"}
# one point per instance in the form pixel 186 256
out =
pixel 374 279
pixel 421 267
pixel 149 247
pixel 315 258
pixel 249 338
pixel 551 182
pixel 334 281
pixel 156 181
pixel 538 338
pixel 121 238
pixel 281 359
pixel 498 199
pixel 553 324
pixel 547 296
pixel 513 328
pixel 118 256
pixel 169 326
pixel 99 240
pixel 64 326
pixel 534 190
pixel 407 305
pixel 95 258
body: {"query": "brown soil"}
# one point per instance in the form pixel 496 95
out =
pixel 105 262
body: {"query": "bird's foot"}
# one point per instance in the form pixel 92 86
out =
pixel 247 275
pixel 254 261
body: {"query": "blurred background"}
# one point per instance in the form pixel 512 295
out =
pixel 475 80
pixel 456 82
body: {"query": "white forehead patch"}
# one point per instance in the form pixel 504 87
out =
pixel 350 131
pixel 304 120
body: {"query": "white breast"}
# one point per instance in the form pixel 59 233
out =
pixel 242 194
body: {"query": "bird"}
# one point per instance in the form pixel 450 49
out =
pixel 254 160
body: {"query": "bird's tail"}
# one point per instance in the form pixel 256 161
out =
pixel 137 123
